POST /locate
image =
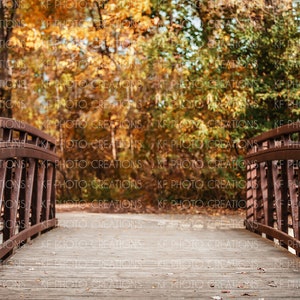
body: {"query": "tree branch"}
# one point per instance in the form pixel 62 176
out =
pixel 100 14
pixel 9 29
pixel 93 19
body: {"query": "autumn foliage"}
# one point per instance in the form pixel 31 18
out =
pixel 150 100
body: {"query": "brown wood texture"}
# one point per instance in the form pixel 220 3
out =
pixel 131 256
pixel 273 186
pixel 27 180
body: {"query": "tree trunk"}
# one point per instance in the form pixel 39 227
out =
pixel 5 84
pixel 7 17
pixel 113 143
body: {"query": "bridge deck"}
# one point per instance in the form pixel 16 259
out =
pixel 150 257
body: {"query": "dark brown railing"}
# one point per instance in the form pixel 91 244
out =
pixel 27 184
pixel 273 185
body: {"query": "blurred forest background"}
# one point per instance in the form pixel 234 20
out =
pixel 151 100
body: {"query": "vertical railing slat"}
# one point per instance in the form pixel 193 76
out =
pixel 264 191
pixel 3 166
pixel 53 193
pixel 38 193
pixel 49 189
pixel 250 192
pixel 292 187
pixel 29 189
pixel 22 197
pixel 270 218
pixel 7 199
pixel 13 202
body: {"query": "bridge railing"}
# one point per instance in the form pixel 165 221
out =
pixel 273 185
pixel 27 184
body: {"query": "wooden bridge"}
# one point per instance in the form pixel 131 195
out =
pixel 147 256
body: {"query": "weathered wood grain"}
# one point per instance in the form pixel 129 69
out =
pixel 150 257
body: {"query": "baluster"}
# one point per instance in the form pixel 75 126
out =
pixel 296 211
pixel 264 190
pixel 251 175
pixel 284 197
pixel 22 198
pixel 258 203
pixel 267 192
pixel 53 193
pixel 11 205
pixel 47 193
pixel 29 182
pixel 7 199
pixel 271 191
pixel 270 218
pixel 49 188
pixel 3 166
pixel 38 192
pixel 293 198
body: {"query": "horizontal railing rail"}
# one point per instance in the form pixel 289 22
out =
pixel 27 184
pixel 273 185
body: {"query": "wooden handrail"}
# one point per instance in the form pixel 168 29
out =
pixel 273 185
pixel 27 184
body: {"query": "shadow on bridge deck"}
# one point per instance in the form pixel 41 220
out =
pixel 150 257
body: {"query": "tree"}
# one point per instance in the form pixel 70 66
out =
pixel 155 100
pixel 8 19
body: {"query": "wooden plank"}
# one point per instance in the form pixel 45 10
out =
pixel 280 153
pixel 283 237
pixel 277 132
pixel 11 149
pixel 106 256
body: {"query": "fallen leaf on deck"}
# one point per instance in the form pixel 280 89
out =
pixel 272 284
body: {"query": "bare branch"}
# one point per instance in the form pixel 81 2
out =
pixel 93 19
pixel 100 14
